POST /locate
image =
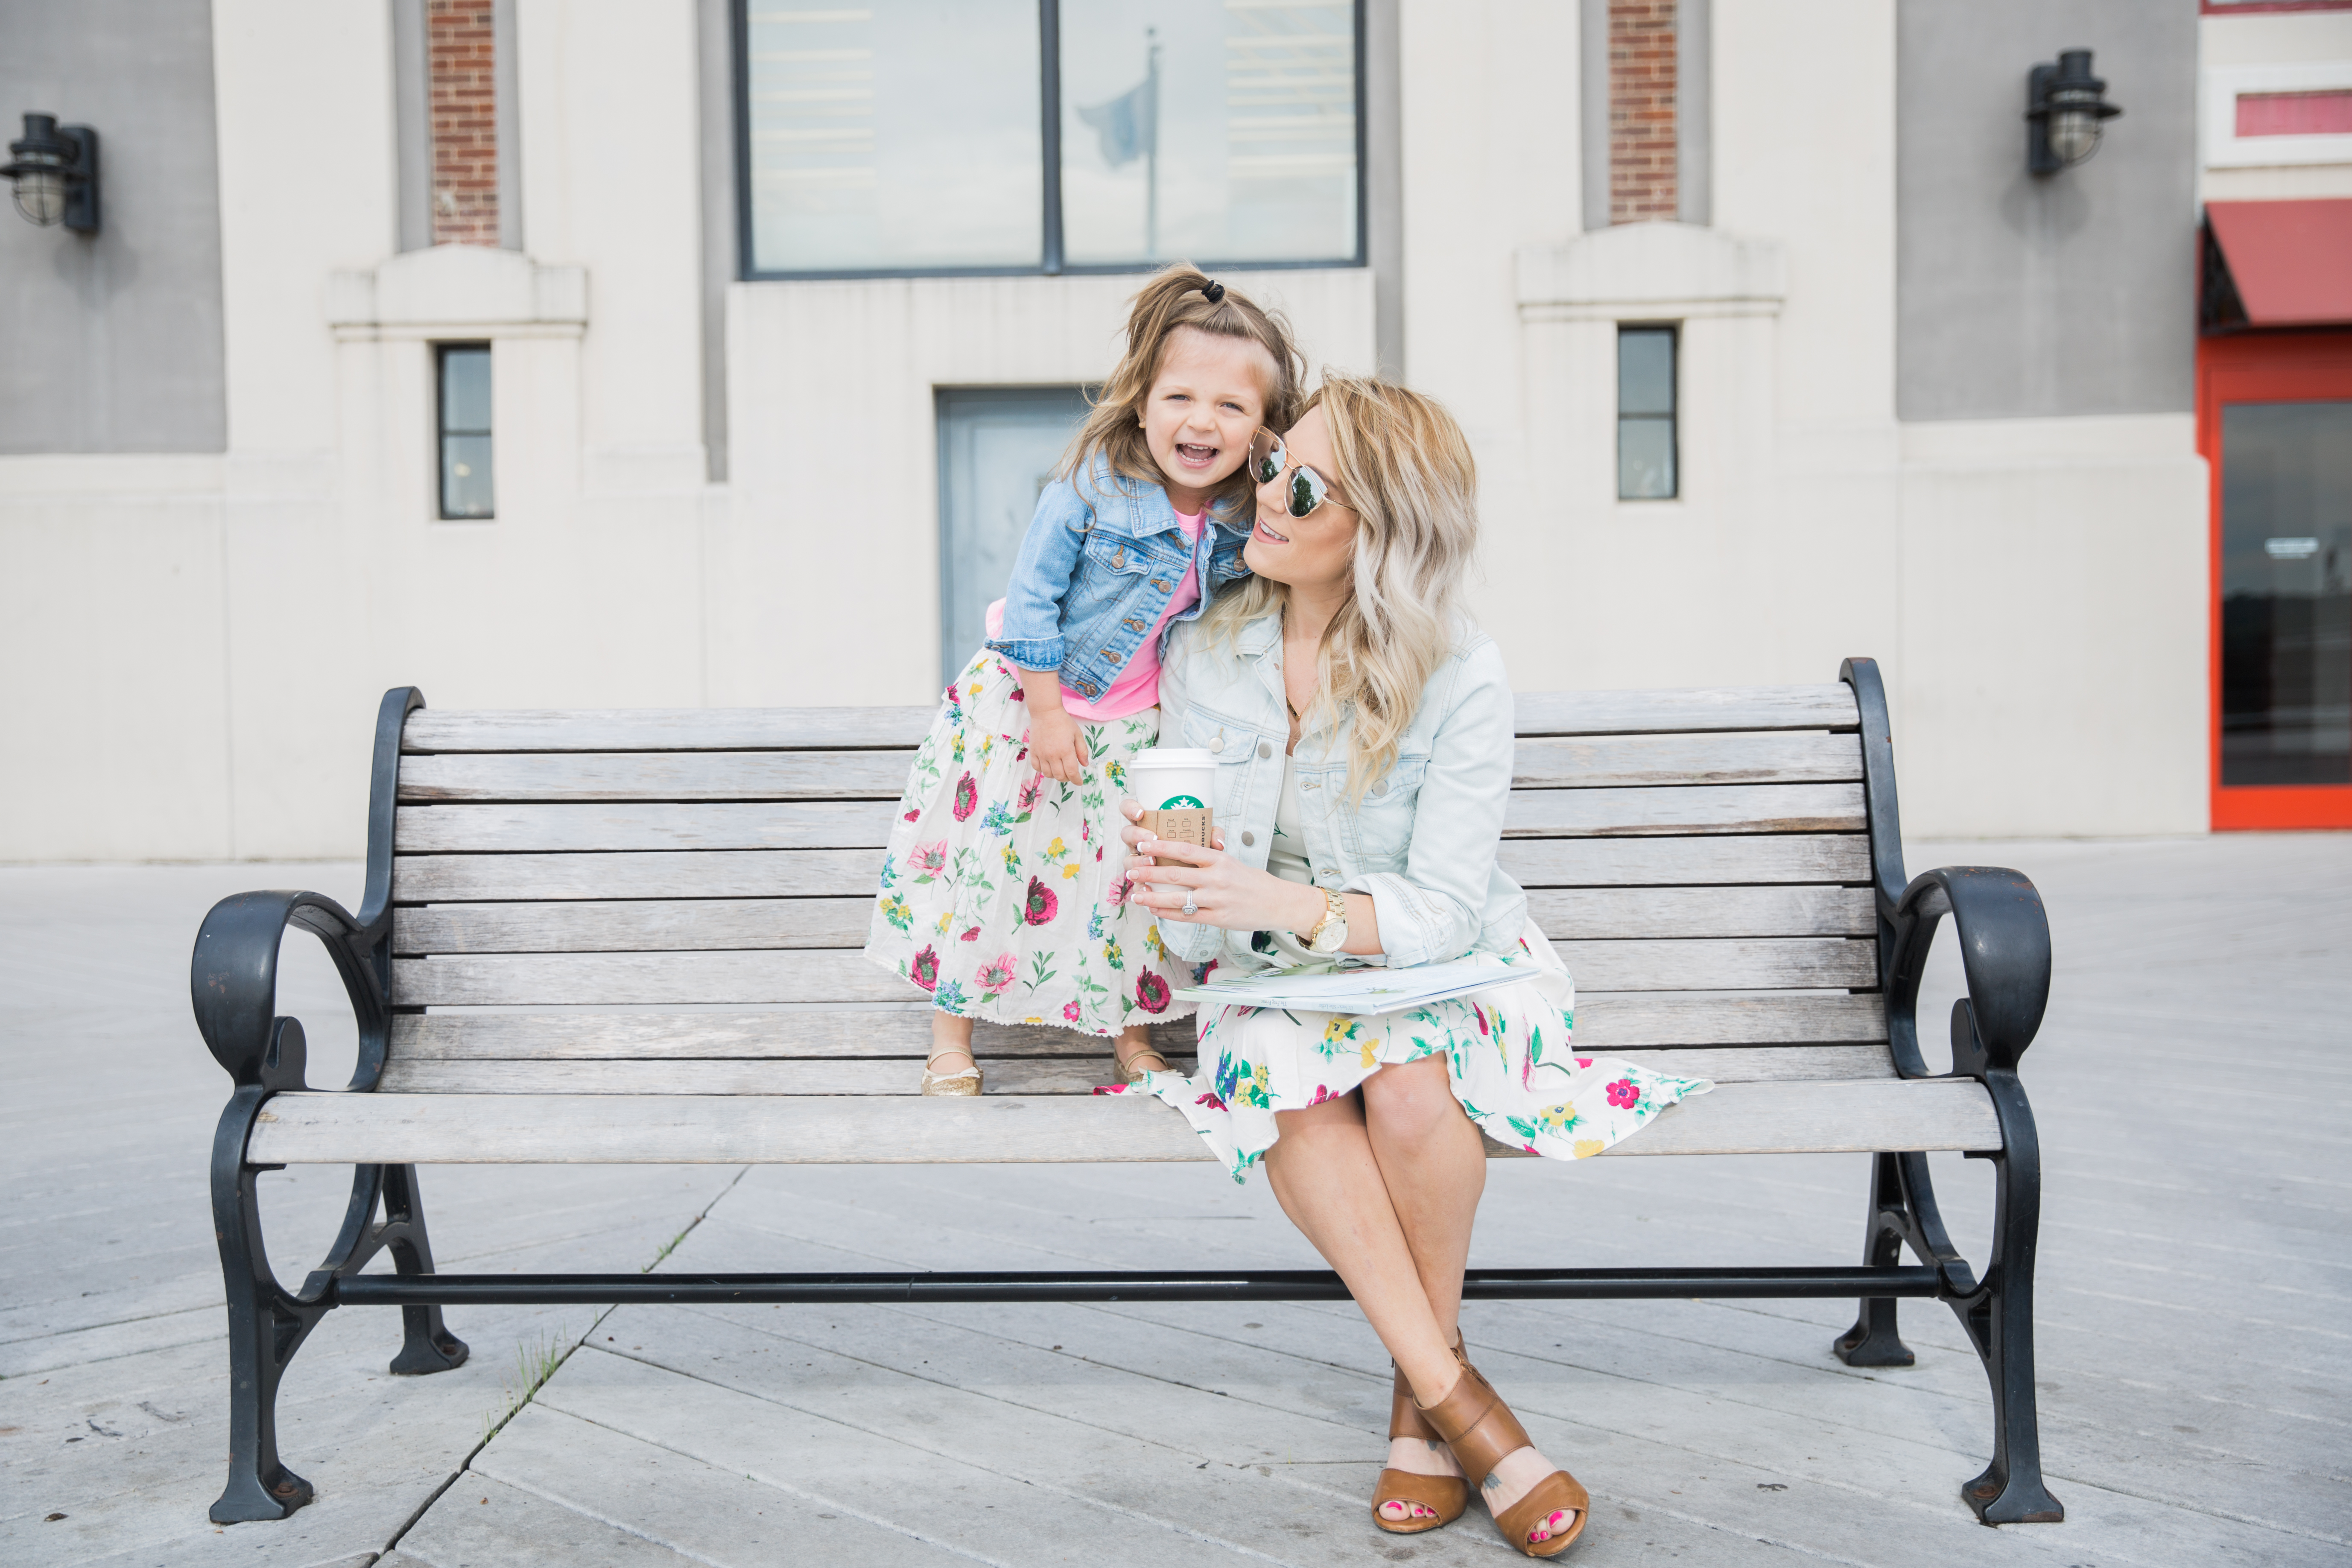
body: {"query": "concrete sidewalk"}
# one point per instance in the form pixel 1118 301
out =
pixel 2196 1267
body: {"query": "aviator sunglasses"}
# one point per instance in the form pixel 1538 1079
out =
pixel 1269 460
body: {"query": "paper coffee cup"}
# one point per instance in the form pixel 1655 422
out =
pixel 1177 787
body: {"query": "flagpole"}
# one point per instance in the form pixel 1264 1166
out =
pixel 1151 149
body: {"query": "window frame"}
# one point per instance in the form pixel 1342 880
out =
pixel 1673 416
pixel 1051 265
pixel 442 433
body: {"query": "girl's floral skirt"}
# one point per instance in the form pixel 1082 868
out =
pixel 1508 1054
pixel 1001 889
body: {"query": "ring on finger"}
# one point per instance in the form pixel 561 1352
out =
pixel 1190 908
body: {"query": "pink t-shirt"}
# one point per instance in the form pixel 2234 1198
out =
pixel 1138 686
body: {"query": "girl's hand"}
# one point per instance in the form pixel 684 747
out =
pixel 1055 746
pixel 1223 892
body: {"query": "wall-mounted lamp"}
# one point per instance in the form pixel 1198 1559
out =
pixel 55 169
pixel 2065 107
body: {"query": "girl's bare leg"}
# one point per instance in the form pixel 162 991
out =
pixel 1135 1037
pixel 951 1040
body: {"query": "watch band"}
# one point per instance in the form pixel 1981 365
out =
pixel 1335 907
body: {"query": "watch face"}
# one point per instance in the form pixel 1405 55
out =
pixel 1334 937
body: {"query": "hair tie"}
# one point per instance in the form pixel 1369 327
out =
pixel 1214 292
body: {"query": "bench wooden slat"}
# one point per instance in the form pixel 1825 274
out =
pixel 1730 858
pixel 641 925
pixel 637 925
pixel 662 729
pixel 686 874
pixel 1578 763
pixel 699 825
pixel 898 1029
pixel 1700 808
pixel 1006 1075
pixel 678 1129
pixel 1729 964
pixel 1591 913
pixel 821 1076
pixel 655 775
pixel 1829 707
pixel 839 974
pixel 814 825
pixel 1600 761
pixel 1605 1021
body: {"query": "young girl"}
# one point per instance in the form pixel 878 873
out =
pixel 1003 891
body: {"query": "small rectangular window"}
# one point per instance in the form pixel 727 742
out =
pixel 465 425
pixel 1646 413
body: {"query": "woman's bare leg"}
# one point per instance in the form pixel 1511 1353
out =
pixel 1434 1166
pixel 1328 1181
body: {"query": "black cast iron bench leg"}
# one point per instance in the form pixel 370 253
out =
pixel 1874 1340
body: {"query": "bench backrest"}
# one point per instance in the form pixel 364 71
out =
pixel 672 901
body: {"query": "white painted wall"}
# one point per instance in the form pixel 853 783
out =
pixel 196 645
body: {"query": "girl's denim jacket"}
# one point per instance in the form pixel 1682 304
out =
pixel 1423 841
pixel 1096 567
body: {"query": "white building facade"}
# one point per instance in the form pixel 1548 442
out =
pixel 1925 405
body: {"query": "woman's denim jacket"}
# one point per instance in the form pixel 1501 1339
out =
pixel 1096 571
pixel 1423 842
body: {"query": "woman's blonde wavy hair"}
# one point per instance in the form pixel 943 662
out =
pixel 1405 470
pixel 1178 296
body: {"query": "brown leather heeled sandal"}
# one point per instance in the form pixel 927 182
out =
pixel 1445 1496
pixel 1481 1430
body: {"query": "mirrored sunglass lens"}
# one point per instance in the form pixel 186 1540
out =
pixel 1305 492
pixel 1265 457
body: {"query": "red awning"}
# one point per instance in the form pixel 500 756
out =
pixel 2292 261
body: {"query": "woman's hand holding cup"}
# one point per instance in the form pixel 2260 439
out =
pixel 1222 891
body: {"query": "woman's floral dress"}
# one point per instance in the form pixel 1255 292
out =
pixel 1002 893
pixel 1508 1058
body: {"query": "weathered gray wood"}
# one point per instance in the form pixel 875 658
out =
pixel 701 825
pixel 705 874
pixel 836 975
pixel 592 979
pixel 1591 913
pixel 1729 859
pixel 654 775
pixel 1005 1075
pixel 682 1129
pixel 633 925
pixel 662 729
pixel 1613 1021
pixel 1701 808
pixel 902 1030
pixel 1735 964
pixel 1829 707
pixel 682 925
pixel 1600 761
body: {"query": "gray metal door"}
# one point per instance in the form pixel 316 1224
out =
pixel 998 450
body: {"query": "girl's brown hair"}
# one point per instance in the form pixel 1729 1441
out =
pixel 1181 296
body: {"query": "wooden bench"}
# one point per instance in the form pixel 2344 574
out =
pixel 1722 870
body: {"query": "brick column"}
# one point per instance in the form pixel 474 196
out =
pixel 1641 130
pixel 461 53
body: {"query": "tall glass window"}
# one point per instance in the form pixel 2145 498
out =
pixel 2287 593
pixel 1646 413
pixel 998 451
pixel 465 425
pixel 908 136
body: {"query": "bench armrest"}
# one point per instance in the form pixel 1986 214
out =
pixel 233 977
pixel 233 983
pixel 2004 938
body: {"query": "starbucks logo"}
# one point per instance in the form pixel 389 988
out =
pixel 1182 802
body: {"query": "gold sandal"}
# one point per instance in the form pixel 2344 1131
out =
pixel 964 1082
pixel 1479 1427
pixel 1128 1072
pixel 1445 1496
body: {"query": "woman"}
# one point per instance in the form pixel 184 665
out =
pixel 1363 730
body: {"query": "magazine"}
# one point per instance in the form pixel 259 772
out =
pixel 1320 988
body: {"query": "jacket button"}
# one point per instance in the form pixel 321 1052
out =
pixel 1248 840
pixel 1264 750
pixel 1217 743
pixel 1381 788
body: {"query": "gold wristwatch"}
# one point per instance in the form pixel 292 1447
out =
pixel 1330 932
